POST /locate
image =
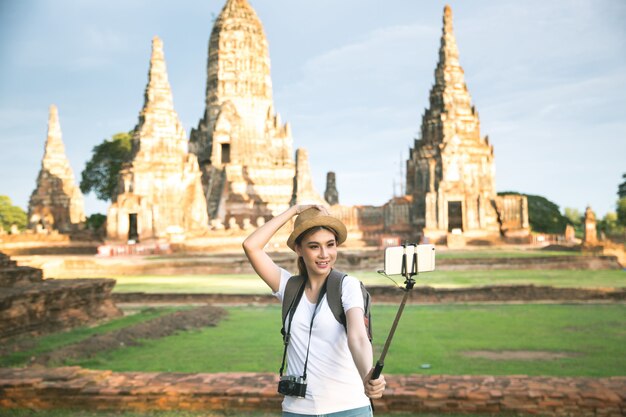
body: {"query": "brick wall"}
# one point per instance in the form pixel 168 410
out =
pixel 74 387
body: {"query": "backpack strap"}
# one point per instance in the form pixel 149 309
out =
pixel 293 293
pixel 291 297
pixel 333 295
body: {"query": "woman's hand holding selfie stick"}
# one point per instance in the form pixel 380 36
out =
pixel 375 374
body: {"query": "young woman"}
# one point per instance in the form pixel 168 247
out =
pixel 338 361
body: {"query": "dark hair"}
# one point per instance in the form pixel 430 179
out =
pixel 301 265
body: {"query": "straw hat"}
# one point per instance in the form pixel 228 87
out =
pixel 312 217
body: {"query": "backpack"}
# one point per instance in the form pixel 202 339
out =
pixel 293 294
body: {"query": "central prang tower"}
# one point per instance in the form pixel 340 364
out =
pixel 451 170
pixel 244 150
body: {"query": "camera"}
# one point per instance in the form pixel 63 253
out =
pixel 294 386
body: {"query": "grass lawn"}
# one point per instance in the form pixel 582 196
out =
pixel 252 284
pixel 53 341
pixel 591 336
pixel 501 253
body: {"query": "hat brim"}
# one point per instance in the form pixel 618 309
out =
pixel 327 221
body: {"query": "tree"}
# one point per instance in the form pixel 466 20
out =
pixel 543 215
pixel 11 215
pixel 576 219
pixel 609 225
pixel 101 172
pixel 621 211
pixel 621 190
pixel 95 221
pixel 574 216
pixel 620 207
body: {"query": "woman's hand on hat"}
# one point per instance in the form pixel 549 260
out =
pixel 301 207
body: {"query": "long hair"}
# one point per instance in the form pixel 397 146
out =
pixel 301 265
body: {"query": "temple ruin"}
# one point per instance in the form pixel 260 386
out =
pixel 30 304
pixel 244 150
pixel 331 195
pixel 159 193
pixel 590 233
pixel 303 189
pixel 450 170
pixel 56 203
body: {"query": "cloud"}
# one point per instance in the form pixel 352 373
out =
pixel 360 72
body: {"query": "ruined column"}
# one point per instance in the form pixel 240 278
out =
pixel 303 189
pixel 331 194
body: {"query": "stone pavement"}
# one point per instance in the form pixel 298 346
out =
pixel 74 387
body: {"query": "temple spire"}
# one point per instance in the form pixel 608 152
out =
pixel 303 189
pixel 55 149
pixel 158 125
pixel 56 203
pixel 449 95
pixel 449 52
pixel 159 191
pixel 158 91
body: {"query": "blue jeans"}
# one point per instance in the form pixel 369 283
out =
pixel 355 412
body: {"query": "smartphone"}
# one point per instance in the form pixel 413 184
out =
pixel 425 259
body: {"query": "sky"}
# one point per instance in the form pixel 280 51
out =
pixel 352 77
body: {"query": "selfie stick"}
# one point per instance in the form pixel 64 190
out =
pixel 410 282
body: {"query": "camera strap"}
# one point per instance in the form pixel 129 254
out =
pixel 292 310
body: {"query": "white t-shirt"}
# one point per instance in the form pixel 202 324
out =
pixel 333 381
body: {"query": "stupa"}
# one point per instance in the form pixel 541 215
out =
pixel 56 203
pixel 159 193
pixel 451 170
pixel 244 150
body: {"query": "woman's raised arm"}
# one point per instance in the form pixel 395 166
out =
pixel 254 245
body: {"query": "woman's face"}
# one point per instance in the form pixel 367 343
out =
pixel 319 252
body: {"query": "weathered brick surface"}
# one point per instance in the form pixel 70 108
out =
pixel 30 304
pixel 74 387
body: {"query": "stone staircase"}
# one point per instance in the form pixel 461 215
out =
pixel 215 188
pixel 13 276
pixel 30 304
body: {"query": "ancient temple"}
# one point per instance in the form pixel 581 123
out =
pixel 56 203
pixel 450 170
pixel 244 150
pixel 159 193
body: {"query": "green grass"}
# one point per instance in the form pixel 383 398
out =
pixel 248 340
pixel 56 340
pixel 502 253
pixel 547 277
pixel 252 284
